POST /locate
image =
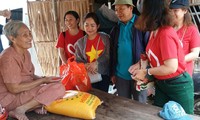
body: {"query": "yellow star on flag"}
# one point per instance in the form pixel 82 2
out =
pixel 92 53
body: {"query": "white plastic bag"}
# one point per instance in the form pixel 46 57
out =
pixel 112 89
pixel 94 78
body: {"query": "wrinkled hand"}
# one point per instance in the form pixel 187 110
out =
pixel 51 79
pixel 91 67
pixel 134 67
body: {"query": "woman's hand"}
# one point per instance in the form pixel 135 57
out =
pixel 91 67
pixel 134 67
pixel 139 75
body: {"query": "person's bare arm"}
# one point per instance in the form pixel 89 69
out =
pixel 194 53
pixel 20 87
pixel 62 55
pixel 6 13
pixel 170 66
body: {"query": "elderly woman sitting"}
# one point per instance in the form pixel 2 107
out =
pixel 20 89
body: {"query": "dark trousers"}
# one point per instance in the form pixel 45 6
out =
pixel 102 85
pixel 126 88
pixel 180 90
pixel 1 46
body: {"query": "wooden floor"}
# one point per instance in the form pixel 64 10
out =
pixel 112 108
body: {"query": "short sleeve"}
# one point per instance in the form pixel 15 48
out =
pixel 169 44
pixel 195 38
pixel 61 41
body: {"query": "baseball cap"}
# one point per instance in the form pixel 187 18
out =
pixel 174 4
pixel 173 111
pixel 118 2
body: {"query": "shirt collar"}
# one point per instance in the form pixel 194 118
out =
pixel 131 20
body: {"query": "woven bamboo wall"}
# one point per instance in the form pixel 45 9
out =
pixel 194 1
pixel 45 29
pixel 80 6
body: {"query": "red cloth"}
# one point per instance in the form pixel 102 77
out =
pixel 165 45
pixel 67 42
pixel 91 49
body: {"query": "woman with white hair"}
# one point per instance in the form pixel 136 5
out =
pixel 20 89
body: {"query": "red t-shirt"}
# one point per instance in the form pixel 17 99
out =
pixel 67 42
pixel 91 48
pixel 191 39
pixel 165 45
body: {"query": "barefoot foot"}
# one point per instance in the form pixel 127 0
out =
pixel 18 115
pixel 41 111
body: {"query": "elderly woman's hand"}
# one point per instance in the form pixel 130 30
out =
pixel 51 79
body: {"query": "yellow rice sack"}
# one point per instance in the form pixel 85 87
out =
pixel 75 104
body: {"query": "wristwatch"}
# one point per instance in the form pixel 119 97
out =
pixel 148 72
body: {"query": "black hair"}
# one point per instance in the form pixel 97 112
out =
pixel 93 16
pixel 155 13
pixel 74 13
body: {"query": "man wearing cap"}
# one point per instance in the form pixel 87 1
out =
pixel 188 33
pixel 127 43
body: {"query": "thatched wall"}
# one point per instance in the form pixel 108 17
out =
pixel 194 1
pixel 45 28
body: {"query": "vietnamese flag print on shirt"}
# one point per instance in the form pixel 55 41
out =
pixel 91 49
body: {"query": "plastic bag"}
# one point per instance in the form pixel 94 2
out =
pixel 144 63
pixel 75 104
pixel 94 78
pixel 75 76
pixel 112 89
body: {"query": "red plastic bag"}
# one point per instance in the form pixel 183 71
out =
pixel 75 76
